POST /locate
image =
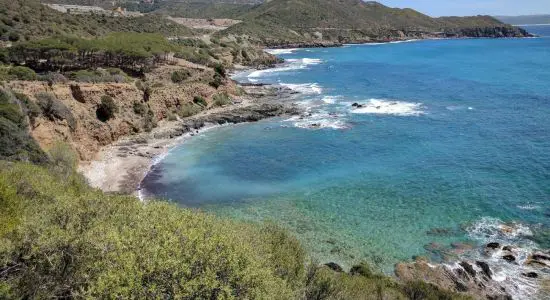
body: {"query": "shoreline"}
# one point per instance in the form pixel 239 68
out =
pixel 121 166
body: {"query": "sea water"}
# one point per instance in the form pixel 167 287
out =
pixel 452 141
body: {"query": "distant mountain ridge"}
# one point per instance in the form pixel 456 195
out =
pixel 299 22
pixel 525 20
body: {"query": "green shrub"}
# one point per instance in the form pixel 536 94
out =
pixel 180 76
pixel 74 241
pixel 149 121
pixel 216 81
pixel 53 78
pixel 100 75
pixel 31 109
pixel 22 73
pixel 200 101
pixel 189 109
pixel 106 109
pixel 424 290
pixel 221 99
pixel 63 159
pixel 140 108
pixel 193 55
pixel 172 116
pixel 15 141
pixel 77 94
pixel 53 109
pixel 220 70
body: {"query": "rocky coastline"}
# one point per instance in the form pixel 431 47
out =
pixel 121 166
pixel 404 35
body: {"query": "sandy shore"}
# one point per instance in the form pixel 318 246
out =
pixel 121 166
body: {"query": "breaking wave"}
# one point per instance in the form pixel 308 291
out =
pixel 510 275
pixel 388 107
pixel 280 51
pixel 305 88
pixel 289 65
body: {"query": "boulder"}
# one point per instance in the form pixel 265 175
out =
pixel 335 267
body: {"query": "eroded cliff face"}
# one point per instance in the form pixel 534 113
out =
pixel 137 112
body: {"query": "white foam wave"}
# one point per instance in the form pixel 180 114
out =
pixel 528 207
pixel 388 107
pixel 458 107
pixel 331 99
pixel 304 88
pixel 318 120
pixel 280 51
pixel 289 65
pixel 508 274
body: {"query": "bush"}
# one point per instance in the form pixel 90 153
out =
pixel 22 73
pixel 15 141
pixel 106 109
pixel 31 109
pixel 172 116
pixel 200 101
pixel 217 81
pixel 221 99
pixel 140 108
pixel 54 109
pixel 424 290
pixel 74 241
pixel 63 159
pixel 194 56
pixel 149 121
pixel 77 94
pixel 189 109
pixel 54 78
pixel 100 75
pixel 180 76
pixel 220 70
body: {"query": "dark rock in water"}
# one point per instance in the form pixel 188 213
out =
pixel 357 105
pixel 509 258
pixel 507 248
pixel 438 231
pixel 540 256
pixel 468 268
pixel 454 278
pixel 530 274
pixel 335 267
pixel 493 245
pixel 485 268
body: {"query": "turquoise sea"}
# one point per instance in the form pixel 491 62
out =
pixel 452 142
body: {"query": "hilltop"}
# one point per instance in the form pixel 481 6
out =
pixel 284 22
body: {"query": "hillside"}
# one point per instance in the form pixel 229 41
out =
pixel 525 20
pixel 281 22
pixel 28 19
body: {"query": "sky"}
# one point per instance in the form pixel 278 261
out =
pixel 474 7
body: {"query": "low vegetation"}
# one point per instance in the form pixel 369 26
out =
pixel 15 141
pixel 25 20
pixel 63 239
pixel 180 76
pixel 54 109
pixel 221 99
pixel 106 109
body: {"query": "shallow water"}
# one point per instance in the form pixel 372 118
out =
pixel 453 136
